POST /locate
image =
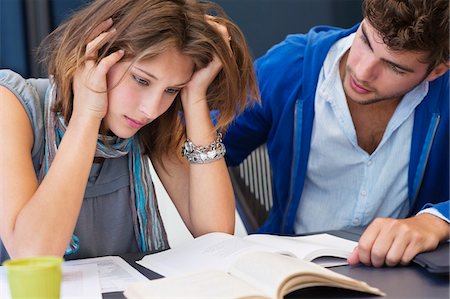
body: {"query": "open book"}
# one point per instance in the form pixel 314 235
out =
pixel 219 250
pixel 221 265
pixel 323 249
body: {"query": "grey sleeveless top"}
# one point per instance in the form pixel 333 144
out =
pixel 105 225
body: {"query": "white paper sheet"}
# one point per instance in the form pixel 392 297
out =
pixel 114 272
pixel 78 282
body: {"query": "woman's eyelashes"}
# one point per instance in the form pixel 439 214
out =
pixel 143 82
pixel 140 81
pixel 172 90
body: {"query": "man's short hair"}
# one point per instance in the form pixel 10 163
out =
pixel 412 25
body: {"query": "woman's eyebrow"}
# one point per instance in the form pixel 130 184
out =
pixel 156 78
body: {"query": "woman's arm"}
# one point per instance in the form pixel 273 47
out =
pixel 39 219
pixel 202 193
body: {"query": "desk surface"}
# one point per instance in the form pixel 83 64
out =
pixel 411 281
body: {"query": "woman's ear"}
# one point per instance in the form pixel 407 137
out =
pixel 438 71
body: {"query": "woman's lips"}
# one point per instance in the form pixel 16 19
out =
pixel 134 123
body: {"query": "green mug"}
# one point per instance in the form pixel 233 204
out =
pixel 34 277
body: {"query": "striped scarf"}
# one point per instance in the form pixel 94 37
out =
pixel 148 227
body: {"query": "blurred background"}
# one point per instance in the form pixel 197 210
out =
pixel 24 23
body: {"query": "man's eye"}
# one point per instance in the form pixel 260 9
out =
pixel 140 81
pixel 396 70
pixel 364 40
pixel 172 90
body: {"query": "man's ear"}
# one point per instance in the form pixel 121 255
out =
pixel 438 71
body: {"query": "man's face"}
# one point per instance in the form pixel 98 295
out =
pixel 372 72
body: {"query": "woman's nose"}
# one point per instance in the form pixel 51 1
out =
pixel 150 107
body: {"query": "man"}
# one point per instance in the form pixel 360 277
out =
pixel 357 129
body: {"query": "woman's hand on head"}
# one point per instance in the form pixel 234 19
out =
pixel 90 81
pixel 202 78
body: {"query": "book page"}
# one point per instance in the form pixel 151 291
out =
pixel 210 251
pixel 207 284
pixel 310 247
pixel 278 275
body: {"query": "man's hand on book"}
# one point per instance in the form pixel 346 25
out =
pixel 397 241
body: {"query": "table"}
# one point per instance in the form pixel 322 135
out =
pixel 410 281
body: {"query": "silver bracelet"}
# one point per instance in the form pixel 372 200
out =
pixel 204 154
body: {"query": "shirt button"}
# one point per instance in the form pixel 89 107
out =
pixel 363 193
pixel 356 221
pixel 369 163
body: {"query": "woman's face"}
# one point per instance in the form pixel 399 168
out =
pixel 146 91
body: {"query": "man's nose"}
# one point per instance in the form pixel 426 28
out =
pixel 367 69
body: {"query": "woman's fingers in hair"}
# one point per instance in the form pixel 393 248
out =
pixel 107 62
pixel 102 27
pixel 94 75
pixel 222 29
pixel 93 46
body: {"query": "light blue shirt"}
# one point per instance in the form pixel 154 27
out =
pixel 345 186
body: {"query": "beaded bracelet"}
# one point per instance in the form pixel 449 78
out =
pixel 203 154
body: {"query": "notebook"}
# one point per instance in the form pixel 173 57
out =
pixel 436 261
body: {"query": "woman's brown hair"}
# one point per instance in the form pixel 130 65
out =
pixel 144 29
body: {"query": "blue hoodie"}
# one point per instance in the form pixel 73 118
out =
pixel 287 77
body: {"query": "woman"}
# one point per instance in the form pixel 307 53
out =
pixel 129 80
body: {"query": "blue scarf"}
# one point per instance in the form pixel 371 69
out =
pixel 148 227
